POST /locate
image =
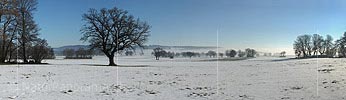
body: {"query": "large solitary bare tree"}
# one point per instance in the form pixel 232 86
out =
pixel 113 30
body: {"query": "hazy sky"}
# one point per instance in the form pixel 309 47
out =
pixel 267 25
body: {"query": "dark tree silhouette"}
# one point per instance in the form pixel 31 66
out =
pixel 302 46
pixel 40 51
pixel 283 54
pixel 158 52
pixel 231 53
pixel 317 42
pixel 329 47
pixel 341 45
pixel 250 52
pixel 305 44
pixel 113 30
pixel 211 54
pixel 7 28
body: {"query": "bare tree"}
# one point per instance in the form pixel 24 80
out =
pixel 302 46
pixel 341 45
pixel 28 29
pixel 113 30
pixel 7 28
pixel 40 51
pixel 305 44
pixel 317 42
pixel 329 46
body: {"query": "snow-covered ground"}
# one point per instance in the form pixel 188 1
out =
pixel 143 78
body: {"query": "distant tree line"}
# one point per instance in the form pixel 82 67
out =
pixel 81 53
pixel 159 52
pixel 19 33
pixel 312 46
pixel 131 52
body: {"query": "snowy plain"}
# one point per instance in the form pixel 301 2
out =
pixel 143 78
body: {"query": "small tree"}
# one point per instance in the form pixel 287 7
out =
pixel 283 54
pixel 211 54
pixel 158 52
pixel 221 55
pixel 231 53
pixel 241 53
pixel 113 30
pixel 250 52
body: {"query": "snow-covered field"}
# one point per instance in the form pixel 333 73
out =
pixel 143 78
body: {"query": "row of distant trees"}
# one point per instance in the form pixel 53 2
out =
pixel 132 52
pixel 81 53
pixel 315 45
pixel 19 33
pixel 159 52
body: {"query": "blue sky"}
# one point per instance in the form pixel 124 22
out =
pixel 268 25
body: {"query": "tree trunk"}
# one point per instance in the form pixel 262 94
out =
pixel 23 37
pixel 111 61
pixel 24 54
pixel 3 60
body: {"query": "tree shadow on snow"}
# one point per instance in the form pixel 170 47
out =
pixel 286 59
pixel 117 65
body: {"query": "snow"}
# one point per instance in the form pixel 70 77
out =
pixel 142 77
